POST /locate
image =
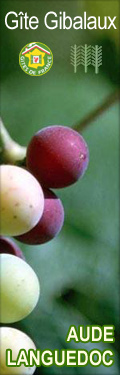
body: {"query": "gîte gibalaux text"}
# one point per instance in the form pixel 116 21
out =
pixel 60 20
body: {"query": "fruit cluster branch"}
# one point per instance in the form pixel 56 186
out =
pixel 92 116
pixel 10 151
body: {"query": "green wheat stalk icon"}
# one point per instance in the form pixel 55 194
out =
pixel 85 59
pixel 75 57
pixel 86 55
pixel 96 57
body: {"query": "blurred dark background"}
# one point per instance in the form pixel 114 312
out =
pixel 78 270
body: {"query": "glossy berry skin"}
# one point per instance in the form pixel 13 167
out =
pixel 49 225
pixel 57 156
pixel 8 246
pixel 15 340
pixel 21 200
pixel 19 289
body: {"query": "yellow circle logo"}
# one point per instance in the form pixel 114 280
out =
pixel 35 59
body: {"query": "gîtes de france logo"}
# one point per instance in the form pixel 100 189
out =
pixel 36 59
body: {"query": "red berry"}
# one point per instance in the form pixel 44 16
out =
pixel 57 156
pixel 9 246
pixel 49 225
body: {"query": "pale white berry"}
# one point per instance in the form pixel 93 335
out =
pixel 19 289
pixel 11 338
pixel 21 200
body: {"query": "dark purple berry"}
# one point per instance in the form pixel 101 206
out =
pixel 8 246
pixel 57 156
pixel 49 225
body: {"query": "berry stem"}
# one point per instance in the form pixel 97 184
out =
pixel 10 151
pixel 111 100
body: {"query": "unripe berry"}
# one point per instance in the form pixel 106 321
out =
pixel 15 340
pixel 19 289
pixel 22 200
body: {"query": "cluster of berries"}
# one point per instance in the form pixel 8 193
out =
pixel 57 157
